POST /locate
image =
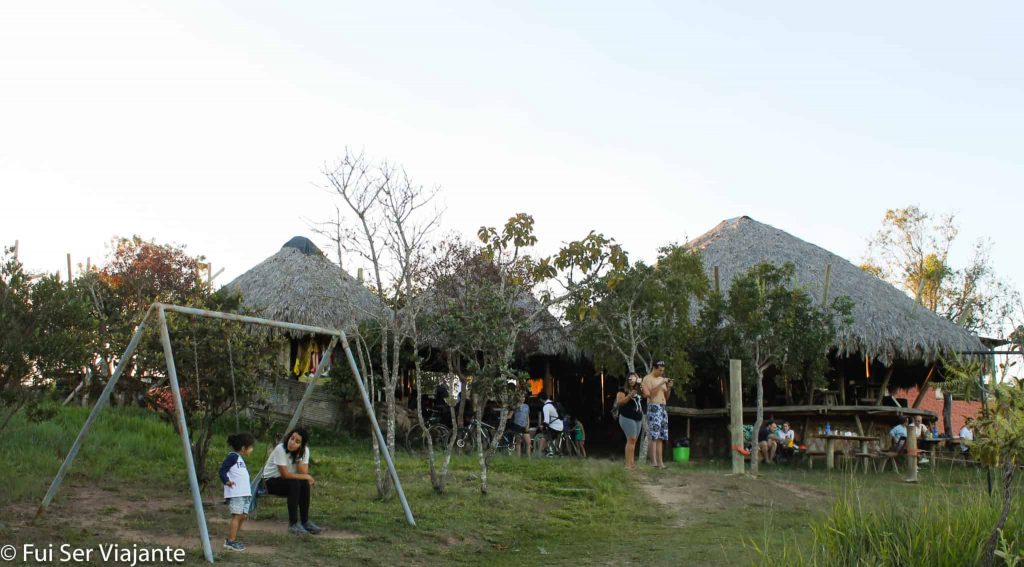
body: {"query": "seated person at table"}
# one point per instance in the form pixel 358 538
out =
pixel 899 435
pixel 786 440
pixel 767 443
pixel 966 436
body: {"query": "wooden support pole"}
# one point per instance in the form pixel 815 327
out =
pixel 924 387
pixel 912 453
pixel 860 426
pixel 736 414
pixel 885 385
pixel 69 268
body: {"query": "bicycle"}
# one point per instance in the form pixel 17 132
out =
pixel 416 437
pixel 465 438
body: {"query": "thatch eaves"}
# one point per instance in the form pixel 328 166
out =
pixel 888 325
pixel 299 284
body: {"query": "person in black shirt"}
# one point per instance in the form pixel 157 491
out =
pixel 629 401
pixel 767 443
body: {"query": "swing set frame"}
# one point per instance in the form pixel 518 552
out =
pixel 179 410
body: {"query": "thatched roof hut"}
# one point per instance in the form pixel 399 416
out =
pixel 888 325
pixel 546 334
pixel 299 284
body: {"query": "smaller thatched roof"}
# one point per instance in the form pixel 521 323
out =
pixel 546 334
pixel 888 325
pixel 299 284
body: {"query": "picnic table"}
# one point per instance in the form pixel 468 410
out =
pixel 830 447
pixel 931 444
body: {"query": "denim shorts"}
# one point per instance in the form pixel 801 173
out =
pixel 239 504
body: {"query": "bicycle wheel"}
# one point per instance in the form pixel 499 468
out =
pixel 415 439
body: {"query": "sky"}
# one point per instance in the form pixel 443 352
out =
pixel 208 124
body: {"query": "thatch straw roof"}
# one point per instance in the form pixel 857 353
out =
pixel 888 325
pixel 299 284
pixel 546 334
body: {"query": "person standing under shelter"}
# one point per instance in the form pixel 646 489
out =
pixel 656 388
pixel 966 436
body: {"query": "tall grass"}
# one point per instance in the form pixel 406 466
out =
pixel 938 526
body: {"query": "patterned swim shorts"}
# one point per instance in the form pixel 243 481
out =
pixel 657 421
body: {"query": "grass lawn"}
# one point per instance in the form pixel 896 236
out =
pixel 128 486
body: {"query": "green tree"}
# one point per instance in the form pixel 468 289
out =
pixel 46 335
pixel 911 250
pixel 136 274
pixel 777 324
pixel 489 303
pixel 999 432
pixel 15 336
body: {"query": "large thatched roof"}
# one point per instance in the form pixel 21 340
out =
pixel 888 325
pixel 299 284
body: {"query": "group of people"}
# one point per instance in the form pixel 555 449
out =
pixel 775 441
pixel 285 474
pixel 905 427
pixel 654 389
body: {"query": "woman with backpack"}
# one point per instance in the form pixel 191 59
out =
pixel 628 403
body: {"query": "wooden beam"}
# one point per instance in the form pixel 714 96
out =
pixel 885 385
pixel 924 388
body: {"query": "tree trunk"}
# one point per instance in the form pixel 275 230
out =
pixel 757 421
pixel 645 439
pixel 479 411
pixel 426 432
pixel 990 546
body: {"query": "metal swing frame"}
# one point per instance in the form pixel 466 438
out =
pixel 179 410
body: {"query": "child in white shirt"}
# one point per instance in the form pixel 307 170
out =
pixel 237 493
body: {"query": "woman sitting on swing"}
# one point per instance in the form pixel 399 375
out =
pixel 287 474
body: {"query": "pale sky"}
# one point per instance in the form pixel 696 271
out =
pixel 207 124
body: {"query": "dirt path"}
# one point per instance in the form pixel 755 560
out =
pixel 686 494
pixel 156 519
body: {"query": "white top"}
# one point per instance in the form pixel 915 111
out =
pixel 238 474
pixel 550 416
pixel 785 435
pixel 281 457
pixel 965 435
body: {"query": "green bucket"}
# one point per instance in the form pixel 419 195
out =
pixel 681 454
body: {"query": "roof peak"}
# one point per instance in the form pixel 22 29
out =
pixel 304 245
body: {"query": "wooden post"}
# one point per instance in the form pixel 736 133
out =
pixel 69 268
pixel 885 385
pixel 842 388
pixel 860 426
pixel 736 414
pixel 924 387
pixel 912 453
